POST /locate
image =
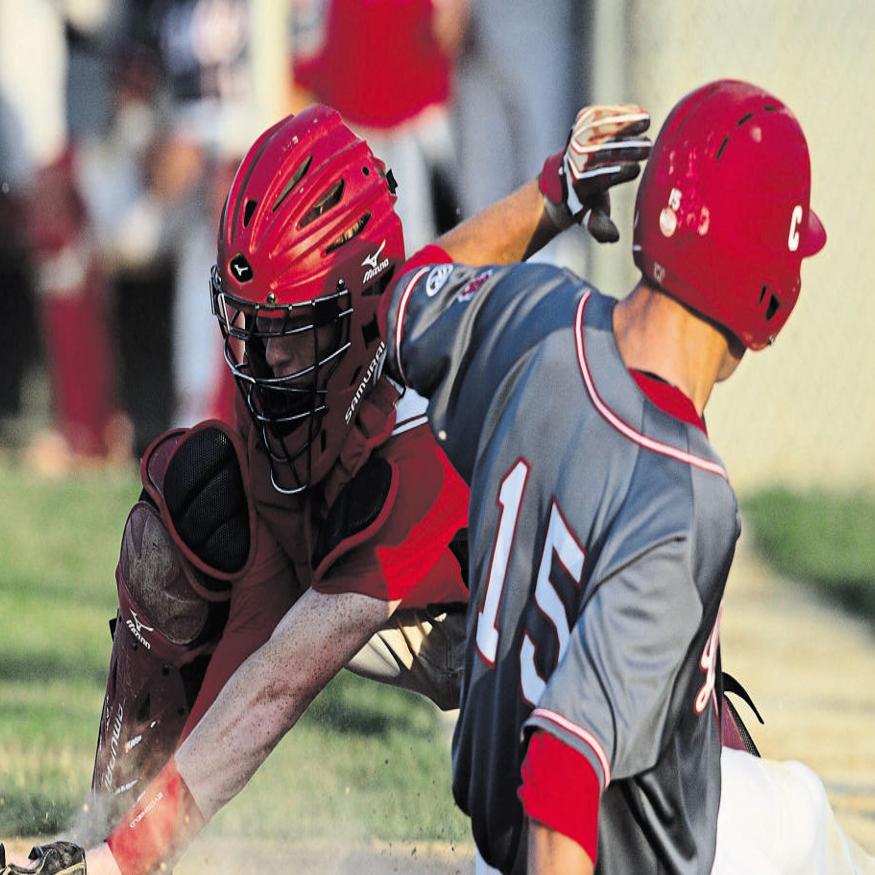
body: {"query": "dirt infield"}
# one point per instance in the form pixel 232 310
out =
pixel 810 668
pixel 325 858
pixel 321 857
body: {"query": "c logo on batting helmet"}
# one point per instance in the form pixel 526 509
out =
pixel 795 220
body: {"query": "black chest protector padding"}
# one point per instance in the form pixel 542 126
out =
pixel 357 506
pixel 203 490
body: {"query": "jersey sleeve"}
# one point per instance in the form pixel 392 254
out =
pixel 428 256
pixel 611 694
pixel 560 789
pixel 446 321
pixel 430 306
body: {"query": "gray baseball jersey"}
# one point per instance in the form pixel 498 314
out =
pixel 601 532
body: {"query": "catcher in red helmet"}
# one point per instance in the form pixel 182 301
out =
pixel 308 241
pixel 327 528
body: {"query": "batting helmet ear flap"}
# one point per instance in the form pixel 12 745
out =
pixel 815 236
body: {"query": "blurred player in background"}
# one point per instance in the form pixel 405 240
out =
pixel 39 151
pixel 602 523
pixel 261 559
pixel 505 65
pixel 399 104
pixel 200 57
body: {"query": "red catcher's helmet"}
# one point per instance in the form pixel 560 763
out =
pixel 308 241
pixel 722 219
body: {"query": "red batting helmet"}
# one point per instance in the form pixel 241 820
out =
pixel 722 219
pixel 308 241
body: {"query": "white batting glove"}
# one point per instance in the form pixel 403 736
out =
pixel 604 148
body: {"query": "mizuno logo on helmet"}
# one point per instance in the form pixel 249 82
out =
pixel 372 259
pixel 373 263
pixel 241 269
pixel 658 272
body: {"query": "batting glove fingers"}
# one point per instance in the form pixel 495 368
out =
pixel 598 220
pixel 604 149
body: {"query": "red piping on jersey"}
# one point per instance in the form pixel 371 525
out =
pixel 430 254
pixel 399 319
pixel 622 427
pixel 585 736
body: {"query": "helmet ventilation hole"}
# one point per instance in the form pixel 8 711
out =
pixel 370 332
pixel 386 279
pixel 769 108
pixel 773 305
pixel 382 283
pixel 330 199
pixel 296 178
pixel 248 210
pixel 353 231
pixel 722 147
pixel 745 118
pixel 366 171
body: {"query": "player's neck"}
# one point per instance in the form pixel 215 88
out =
pixel 656 334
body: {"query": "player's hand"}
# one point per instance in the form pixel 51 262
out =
pixel 57 858
pixel 604 148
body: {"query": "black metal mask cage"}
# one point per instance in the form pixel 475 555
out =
pixel 287 408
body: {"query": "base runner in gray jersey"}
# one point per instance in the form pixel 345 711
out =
pixel 602 523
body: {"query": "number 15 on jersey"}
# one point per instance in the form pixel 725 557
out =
pixel 562 542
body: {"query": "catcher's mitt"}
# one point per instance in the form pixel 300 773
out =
pixel 57 858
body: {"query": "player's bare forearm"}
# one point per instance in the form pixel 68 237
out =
pixel 508 231
pixel 268 693
pixel 605 148
pixel 552 853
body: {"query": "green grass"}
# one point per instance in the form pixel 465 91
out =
pixel 823 538
pixel 365 761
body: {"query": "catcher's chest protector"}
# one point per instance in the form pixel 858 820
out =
pixel 176 565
